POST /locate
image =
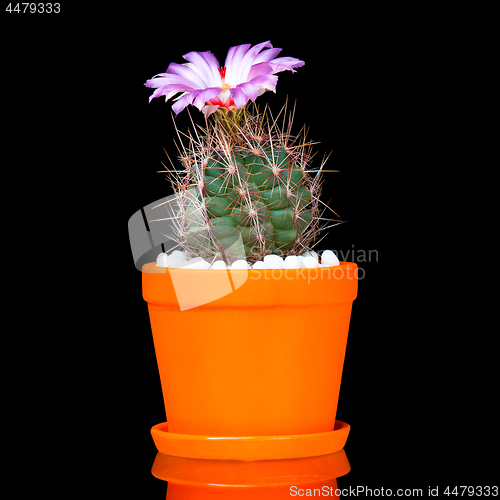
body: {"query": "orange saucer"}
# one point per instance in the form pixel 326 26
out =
pixel 265 473
pixel 250 448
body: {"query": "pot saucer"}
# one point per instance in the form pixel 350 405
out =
pixel 250 448
pixel 257 473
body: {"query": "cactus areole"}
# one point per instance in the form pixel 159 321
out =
pixel 246 188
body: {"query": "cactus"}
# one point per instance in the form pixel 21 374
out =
pixel 246 189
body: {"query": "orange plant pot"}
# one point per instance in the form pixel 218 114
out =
pixel 264 358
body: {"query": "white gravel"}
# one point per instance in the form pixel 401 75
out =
pixel 273 262
pixel 306 260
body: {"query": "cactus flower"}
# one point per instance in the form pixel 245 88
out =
pixel 247 73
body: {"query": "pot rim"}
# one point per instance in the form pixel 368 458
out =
pixel 151 267
pixel 250 448
pixel 194 288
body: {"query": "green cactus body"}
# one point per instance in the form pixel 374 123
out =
pixel 248 198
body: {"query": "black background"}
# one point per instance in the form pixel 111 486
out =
pixel 418 388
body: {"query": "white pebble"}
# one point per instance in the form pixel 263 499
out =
pixel 260 265
pixel 178 255
pixel 175 263
pixel 328 258
pixel 239 264
pixel 310 262
pixel 273 261
pixel 177 259
pixel 292 262
pixel 307 260
pixel 219 264
pixel 161 260
pixel 312 253
pixel 196 263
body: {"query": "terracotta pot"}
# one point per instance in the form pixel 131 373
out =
pixel 264 358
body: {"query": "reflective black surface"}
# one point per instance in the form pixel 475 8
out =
pixel 390 462
pixel 420 381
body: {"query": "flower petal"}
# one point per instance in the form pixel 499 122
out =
pixel 169 86
pixel 169 90
pixel 259 69
pixel 184 71
pixel 214 65
pixel 205 65
pixel 166 79
pixel 156 93
pixel 243 92
pixel 285 64
pixel 267 55
pixel 209 109
pixel 184 101
pixel 240 98
pixel 248 60
pixel 249 89
pixel 234 58
pixel 205 95
pixel 265 81
pixel 257 48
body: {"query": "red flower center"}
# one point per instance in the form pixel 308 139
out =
pixel 222 72
pixel 216 101
pixel 225 86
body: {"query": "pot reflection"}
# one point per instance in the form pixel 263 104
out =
pixel 192 479
pixel 321 489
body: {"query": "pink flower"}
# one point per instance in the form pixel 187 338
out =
pixel 247 73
